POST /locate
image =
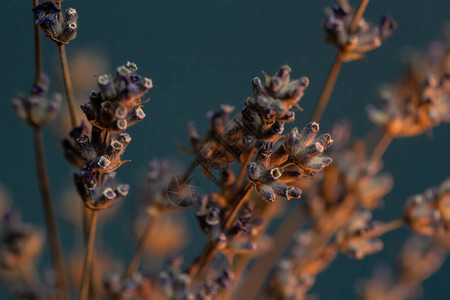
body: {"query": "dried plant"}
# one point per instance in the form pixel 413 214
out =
pixel 335 181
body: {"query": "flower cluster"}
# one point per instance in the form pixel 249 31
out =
pixel 230 241
pixel 354 42
pixel 117 104
pixel 101 152
pixel 360 236
pixel 421 99
pixel 429 213
pixel 352 174
pixel 36 110
pixel 61 29
pixel 177 285
pixel 262 119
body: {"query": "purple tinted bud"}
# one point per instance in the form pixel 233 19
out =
pixel 339 11
pixel 46 12
pixel 78 131
pixel 88 111
pixel 386 27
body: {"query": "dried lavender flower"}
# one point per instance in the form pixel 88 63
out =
pixel 37 110
pixel 20 243
pixel 117 104
pixel 353 43
pixel 429 213
pixel 58 28
pixel 420 100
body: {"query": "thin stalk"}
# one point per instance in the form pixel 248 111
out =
pixel 244 168
pixel 50 220
pixel 89 255
pixel 238 205
pixel 198 267
pixel 143 241
pixel 68 84
pixel 328 88
pixel 380 148
pixel 390 226
pixel 37 49
pixel 359 13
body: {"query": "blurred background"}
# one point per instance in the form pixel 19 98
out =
pixel 199 55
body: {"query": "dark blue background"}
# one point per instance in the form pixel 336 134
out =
pixel 203 53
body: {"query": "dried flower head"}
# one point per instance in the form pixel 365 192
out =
pixel 20 244
pixel 429 213
pixel 354 42
pixel 420 100
pixel 360 236
pixel 117 104
pixel 37 110
pixel 61 29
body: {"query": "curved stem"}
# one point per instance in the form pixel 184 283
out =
pixel 68 84
pixel 89 255
pixel 50 220
pixel 328 88
pixel 143 241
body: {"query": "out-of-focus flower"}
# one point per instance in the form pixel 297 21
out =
pixel 420 100
pixel 136 287
pixel 37 110
pixel 353 43
pixel 418 260
pixel 360 237
pixel 20 244
pixel 429 213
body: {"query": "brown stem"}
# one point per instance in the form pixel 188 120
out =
pixel 68 84
pixel 359 13
pixel 198 267
pixel 387 227
pixel 37 49
pixel 238 205
pixel 244 168
pixel 89 255
pixel 50 220
pixel 380 148
pixel 328 88
pixel 143 241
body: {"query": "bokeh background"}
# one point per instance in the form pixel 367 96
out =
pixel 201 54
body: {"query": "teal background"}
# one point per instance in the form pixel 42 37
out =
pixel 201 54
